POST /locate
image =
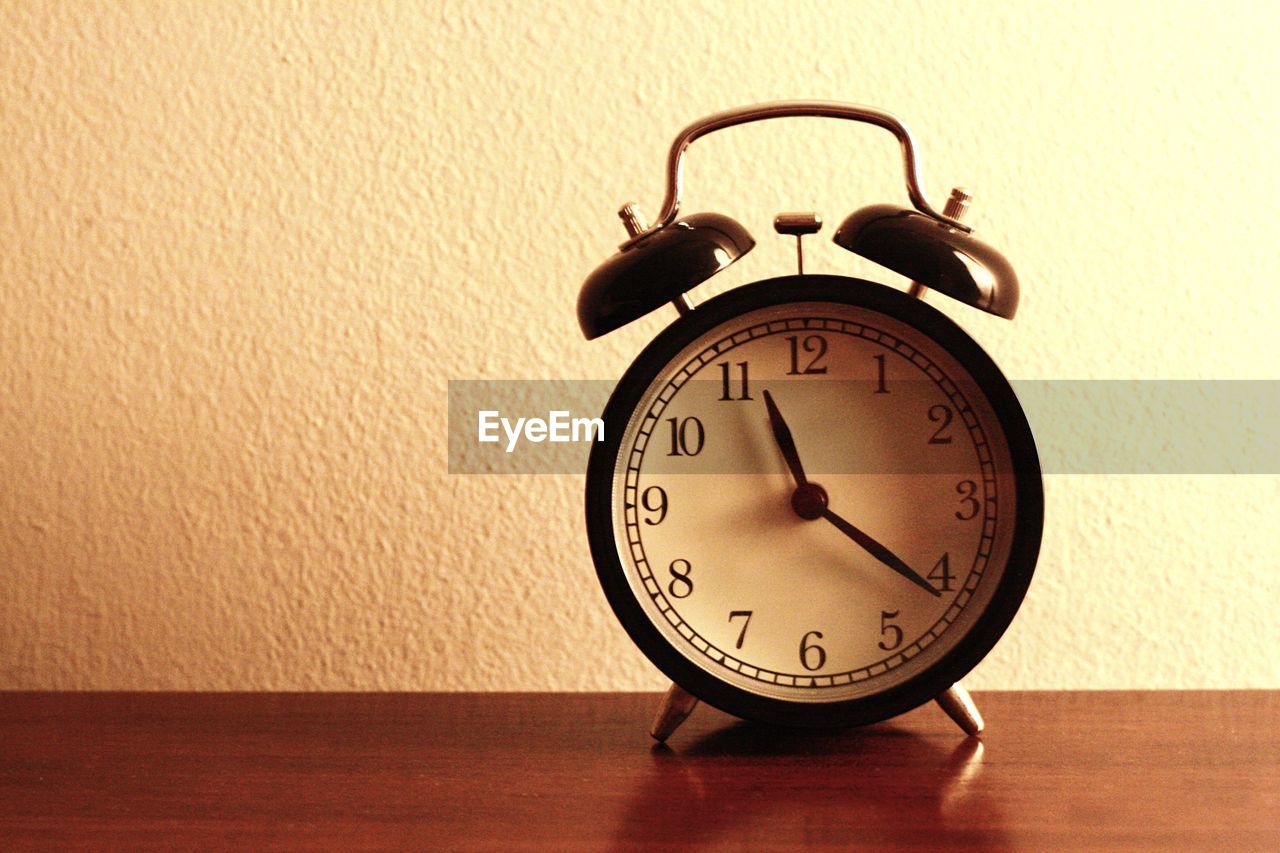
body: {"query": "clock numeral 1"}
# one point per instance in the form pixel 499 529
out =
pixel 942 572
pixel 887 627
pixel 725 393
pixel 969 503
pixel 657 505
pixel 681 585
pixel 941 415
pixel 812 655
pixel 684 440
pixel 815 345
pixel 881 388
pixel 744 615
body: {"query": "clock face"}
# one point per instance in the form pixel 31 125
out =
pixel 855 543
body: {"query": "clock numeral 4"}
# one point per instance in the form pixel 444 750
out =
pixel 681 585
pixel 745 616
pixel 654 499
pixel 941 572
pixel 812 655
pixel 942 416
pixel 726 392
pixel 815 345
pixel 888 628
pixel 687 436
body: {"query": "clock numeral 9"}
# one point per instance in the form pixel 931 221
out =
pixel 684 440
pixel 658 504
pixel 887 627
pixel 725 393
pixel 941 571
pixel 681 585
pixel 969 503
pixel 746 616
pixel 812 655
pixel 815 345
pixel 941 415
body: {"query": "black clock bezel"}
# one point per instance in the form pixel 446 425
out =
pixel 1028 525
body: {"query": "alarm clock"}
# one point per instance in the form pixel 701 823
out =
pixel 817 501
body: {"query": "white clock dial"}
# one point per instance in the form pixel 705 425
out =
pixel 909 452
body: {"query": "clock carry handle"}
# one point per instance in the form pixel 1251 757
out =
pixel 787 109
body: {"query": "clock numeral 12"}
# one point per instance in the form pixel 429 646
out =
pixel 686 441
pixel 815 345
pixel 725 393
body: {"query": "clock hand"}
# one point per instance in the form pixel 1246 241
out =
pixel 787 444
pixel 878 551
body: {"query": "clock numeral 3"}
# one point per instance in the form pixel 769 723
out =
pixel 659 505
pixel 687 436
pixel 942 572
pixel 745 615
pixel 815 345
pixel 726 391
pixel 887 627
pixel 969 503
pixel 681 585
pixel 812 655
pixel 941 415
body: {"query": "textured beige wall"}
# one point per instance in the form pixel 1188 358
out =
pixel 242 250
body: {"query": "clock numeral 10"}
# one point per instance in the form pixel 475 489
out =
pixel 812 655
pixel 687 436
pixel 726 390
pixel 815 345
pixel 888 628
pixel 681 585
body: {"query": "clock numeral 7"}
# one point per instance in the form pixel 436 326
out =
pixel 726 391
pixel 745 615
pixel 815 345
pixel 687 436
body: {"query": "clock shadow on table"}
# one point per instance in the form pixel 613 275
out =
pixel 875 785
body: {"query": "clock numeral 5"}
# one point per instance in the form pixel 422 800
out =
pixel 887 627
pixel 681 585
pixel 812 655
pixel 725 393
pixel 815 345
pixel 745 615
pixel 687 436
pixel 659 505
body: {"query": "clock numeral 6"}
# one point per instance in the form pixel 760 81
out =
pixel 812 655
pixel 887 627
pixel 687 436
pixel 681 585
pixel 941 415
pixel 969 503
pixel 656 504
pixel 745 615
pixel 815 345
pixel 726 391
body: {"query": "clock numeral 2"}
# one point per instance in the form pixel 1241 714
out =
pixel 941 571
pixel 659 507
pixel 812 655
pixel 815 345
pixel 745 615
pixel 942 414
pixel 726 391
pixel 684 440
pixel 887 627
pixel 681 585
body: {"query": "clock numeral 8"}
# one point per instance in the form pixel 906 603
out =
pixel 681 585
pixel 812 655
pixel 686 441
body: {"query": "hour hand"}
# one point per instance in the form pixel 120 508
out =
pixel 782 435
pixel 878 551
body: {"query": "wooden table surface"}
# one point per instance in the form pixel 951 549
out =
pixel 502 771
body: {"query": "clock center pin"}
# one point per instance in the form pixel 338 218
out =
pixel 809 500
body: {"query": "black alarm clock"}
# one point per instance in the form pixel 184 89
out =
pixel 817 501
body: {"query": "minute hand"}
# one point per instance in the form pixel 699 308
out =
pixel 878 551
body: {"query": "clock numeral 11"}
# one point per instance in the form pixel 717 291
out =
pixel 726 391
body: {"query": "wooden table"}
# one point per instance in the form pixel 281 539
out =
pixel 503 771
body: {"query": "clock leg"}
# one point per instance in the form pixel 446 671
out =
pixel 958 704
pixel 676 707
